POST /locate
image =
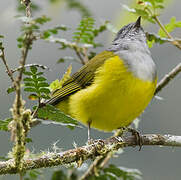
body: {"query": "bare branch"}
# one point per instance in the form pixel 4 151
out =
pixel 86 58
pixel 77 51
pixel 30 65
pixel 99 147
pixel 168 77
pixel 9 72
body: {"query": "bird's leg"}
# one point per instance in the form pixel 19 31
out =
pixel 88 133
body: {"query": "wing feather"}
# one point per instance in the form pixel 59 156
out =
pixel 81 79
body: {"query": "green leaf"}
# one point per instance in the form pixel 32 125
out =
pixel 107 176
pixel 28 140
pixel 59 175
pixel 44 90
pixel 170 27
pixel 10 90
pixel 42 20
pixel 34 77
pixel 58 84
pixel 62 27
pixel 27 73
pixel 2 158
pixel 84 31
pixel 28 79
pixel 46 34
pixel 55 85
pixel 29 84
pixel 54 1
pixel 45 96
pixel 51 113
pixel 41 79
pixel 43 84
pixel 39 73
pixel 33 175
pixel 35 83
pixel 124 173
pixel 4 124
pixel 33 69
pixel 154 38
pixel 30 89
pixel 141 12
pixel 79 6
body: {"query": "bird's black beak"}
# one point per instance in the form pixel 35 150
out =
pixel 138 22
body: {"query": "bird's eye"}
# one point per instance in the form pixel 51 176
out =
pixel 116 44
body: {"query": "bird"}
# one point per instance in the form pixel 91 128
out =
pixel 114 87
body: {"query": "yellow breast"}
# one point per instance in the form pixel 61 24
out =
pixel 115 98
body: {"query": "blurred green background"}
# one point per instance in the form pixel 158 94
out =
pixel 156 163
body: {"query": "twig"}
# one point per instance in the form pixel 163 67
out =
pixel 9 72
pixel 30 65
pixel 86 58
pixel 174 42
pixel 37 107
pixel 27 4
pixel 168 77
pixel 162 39
pixel 28 41
pixel 99 147
pixel 97 165
pixel 77 51
pixel 92 168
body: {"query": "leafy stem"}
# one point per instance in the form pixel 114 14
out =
pixel 175 42
pixel 78 53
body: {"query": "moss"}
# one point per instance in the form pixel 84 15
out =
pixel 19 129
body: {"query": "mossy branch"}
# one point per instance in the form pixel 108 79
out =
pixel 79 155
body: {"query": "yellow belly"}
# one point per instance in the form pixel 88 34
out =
pixel 114 100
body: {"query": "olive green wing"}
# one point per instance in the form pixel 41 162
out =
pixel 81 79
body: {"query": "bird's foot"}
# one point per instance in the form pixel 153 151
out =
pixel 138 137
pixel 135 133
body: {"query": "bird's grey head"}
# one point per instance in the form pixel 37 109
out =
pixel 130 37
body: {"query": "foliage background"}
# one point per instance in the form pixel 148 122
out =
pixel 161 116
